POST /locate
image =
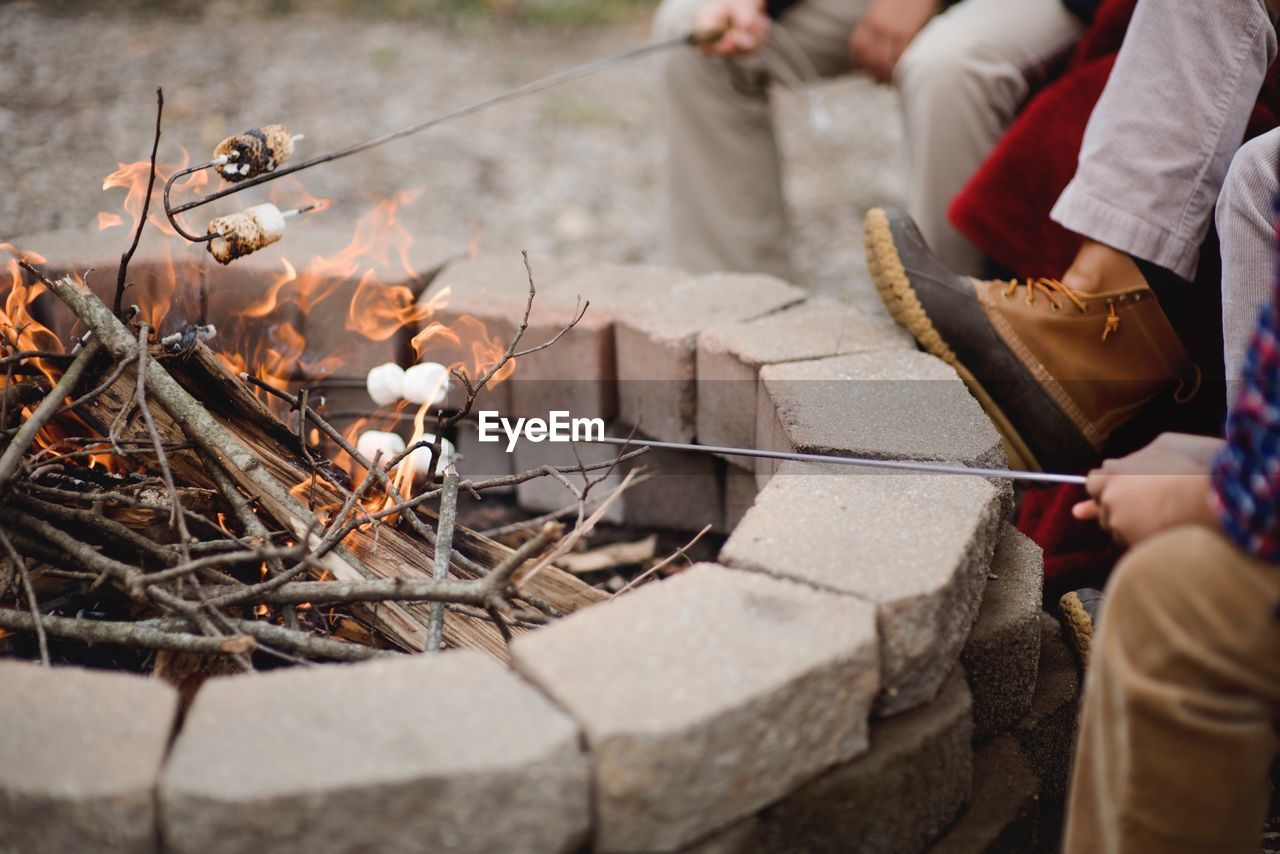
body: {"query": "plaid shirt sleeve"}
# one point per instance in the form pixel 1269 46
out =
pixel 1246 473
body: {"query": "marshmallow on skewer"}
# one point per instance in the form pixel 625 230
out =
pixel 254 152
pixel 373 441
pixel 420 458
pixel 385 383
pixel 248 231
pixel 426 383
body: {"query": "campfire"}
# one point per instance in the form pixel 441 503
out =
pixel 175 480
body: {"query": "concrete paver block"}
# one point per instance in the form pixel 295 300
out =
pixel 482 300
pixel 1002 817
pixel 707 696
pixel 730 357
pixel 738 838
pixel 1047 732
pixel 578 372
pixel 433 752
pixel 683 492
pixel 482 460
pixel 657 347
pixel 888 404
pixel 740 491
pixel 918 546
pixel 81 751
pixel 896 797
pixel 1002 654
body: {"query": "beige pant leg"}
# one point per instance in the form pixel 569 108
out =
pixel 1183 691
pixel 727 210
pixel 962 80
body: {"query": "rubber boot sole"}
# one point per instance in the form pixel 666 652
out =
pixel 894 287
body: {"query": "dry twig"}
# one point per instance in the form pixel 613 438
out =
pixel 444 550
pixel 142 218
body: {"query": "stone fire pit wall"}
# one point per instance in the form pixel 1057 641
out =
pixel 866 668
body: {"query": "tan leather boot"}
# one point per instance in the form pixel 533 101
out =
pixel 1058 371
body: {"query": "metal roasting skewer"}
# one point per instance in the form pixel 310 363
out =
pixel 897 465
pixel 548 82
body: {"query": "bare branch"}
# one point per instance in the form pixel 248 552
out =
pixel 678 553
pixel 444 550
pixel 142 218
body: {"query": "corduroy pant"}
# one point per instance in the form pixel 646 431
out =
pixel 1163 134
pixel 1177 727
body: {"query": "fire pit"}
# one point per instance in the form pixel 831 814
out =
pixel 864 668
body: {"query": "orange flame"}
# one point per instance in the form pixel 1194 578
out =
pixel 19 330
pixel 405 471
pixel 366 288
pixel 379 311
pixel 133 177
pixel 271 299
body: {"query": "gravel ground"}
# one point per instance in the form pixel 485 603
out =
pixel 575 172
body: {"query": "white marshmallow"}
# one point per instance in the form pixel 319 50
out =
pixel 385 383
pixel 270 219
pixel 373 441
pixel 420 457
pixel 239 234
pixel 426 383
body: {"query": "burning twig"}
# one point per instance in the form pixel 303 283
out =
pixel 12 456
pixel 173 429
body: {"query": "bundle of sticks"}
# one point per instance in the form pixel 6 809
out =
pixel 145 477
pixel 162 483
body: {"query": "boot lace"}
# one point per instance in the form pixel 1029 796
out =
pixel 1051 289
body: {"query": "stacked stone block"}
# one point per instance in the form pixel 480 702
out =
pixel 867 668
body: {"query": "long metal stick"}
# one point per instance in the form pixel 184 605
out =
pixel 897 465
pixel 511 94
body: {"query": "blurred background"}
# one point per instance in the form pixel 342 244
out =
pixel 576 172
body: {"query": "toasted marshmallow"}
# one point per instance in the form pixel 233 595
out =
pixel 242 233
pixel 254 152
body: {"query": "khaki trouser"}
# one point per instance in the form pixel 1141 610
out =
pixel 962 80
pixel 1177 727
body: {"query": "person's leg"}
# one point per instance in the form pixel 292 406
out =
pixel 1160 139
pixel 962 81
pixel 727 210
pixel 1246 231
pixel 1177 725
